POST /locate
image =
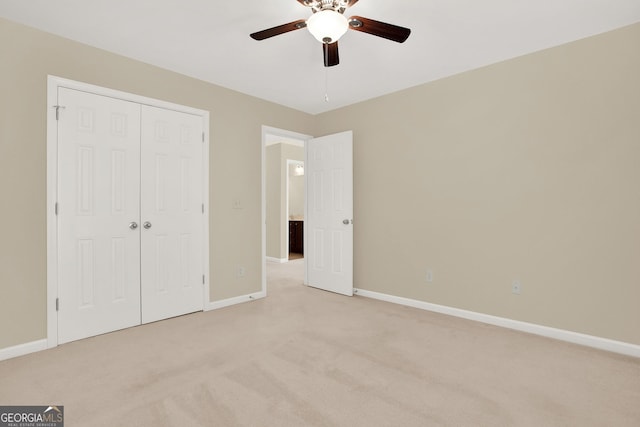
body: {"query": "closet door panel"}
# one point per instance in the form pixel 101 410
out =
pixel 98 201
pixel 171 213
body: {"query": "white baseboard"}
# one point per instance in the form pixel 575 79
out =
pixel 22 349
pixel 277 260
pixel 214 305
pixel 32 347
pixel 545 331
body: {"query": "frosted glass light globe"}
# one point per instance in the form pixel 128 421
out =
pixel 327 26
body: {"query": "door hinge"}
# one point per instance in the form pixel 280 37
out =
pixel 203 208
pixel 203 279
pixel 56 208
pixel 58 107
pixel 57 304
pixel 203 137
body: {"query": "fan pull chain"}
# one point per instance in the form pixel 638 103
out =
pixel 326 84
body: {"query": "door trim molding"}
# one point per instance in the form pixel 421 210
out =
pixel 53 83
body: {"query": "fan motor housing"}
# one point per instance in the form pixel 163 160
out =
pixel 317 5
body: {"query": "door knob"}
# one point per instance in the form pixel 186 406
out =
pixel 346 221
pixel 147 225
pixel 133 225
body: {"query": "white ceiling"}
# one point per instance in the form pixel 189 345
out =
pixel 209 40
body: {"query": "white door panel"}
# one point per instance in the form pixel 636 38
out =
pixel 98 197
pixel 328 224
pixel 171 208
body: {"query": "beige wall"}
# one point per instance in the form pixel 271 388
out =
pixel 296 192
pixel 27 56
pixel 527 169
pixel 273 156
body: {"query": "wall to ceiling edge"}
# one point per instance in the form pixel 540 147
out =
pixel 236 121
pixel 524 170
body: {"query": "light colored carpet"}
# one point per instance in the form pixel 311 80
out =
pixel 304 357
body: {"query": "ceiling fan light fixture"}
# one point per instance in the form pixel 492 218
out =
pixel 327 26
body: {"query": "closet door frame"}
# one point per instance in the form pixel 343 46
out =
pixel 53 83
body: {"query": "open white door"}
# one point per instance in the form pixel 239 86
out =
pixel 329 217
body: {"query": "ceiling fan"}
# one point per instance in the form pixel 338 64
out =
pixel 328 24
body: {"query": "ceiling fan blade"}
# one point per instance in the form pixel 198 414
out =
pixel 330 52
pixel 352 2
pixel 380 29
pixel 280 29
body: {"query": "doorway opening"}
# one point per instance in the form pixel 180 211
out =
pixel 295 202
pixel 283 201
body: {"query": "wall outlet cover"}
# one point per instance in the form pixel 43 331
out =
pixel 516 287
pixel 429 277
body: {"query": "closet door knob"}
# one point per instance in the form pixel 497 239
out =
pixel 133 225
pixel 147 225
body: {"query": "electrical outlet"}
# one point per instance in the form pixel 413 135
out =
pixel 237 204
pixel 429 276
pixel 516 287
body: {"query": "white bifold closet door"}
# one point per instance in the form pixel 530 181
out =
pixel 171 203
pixel 129 214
